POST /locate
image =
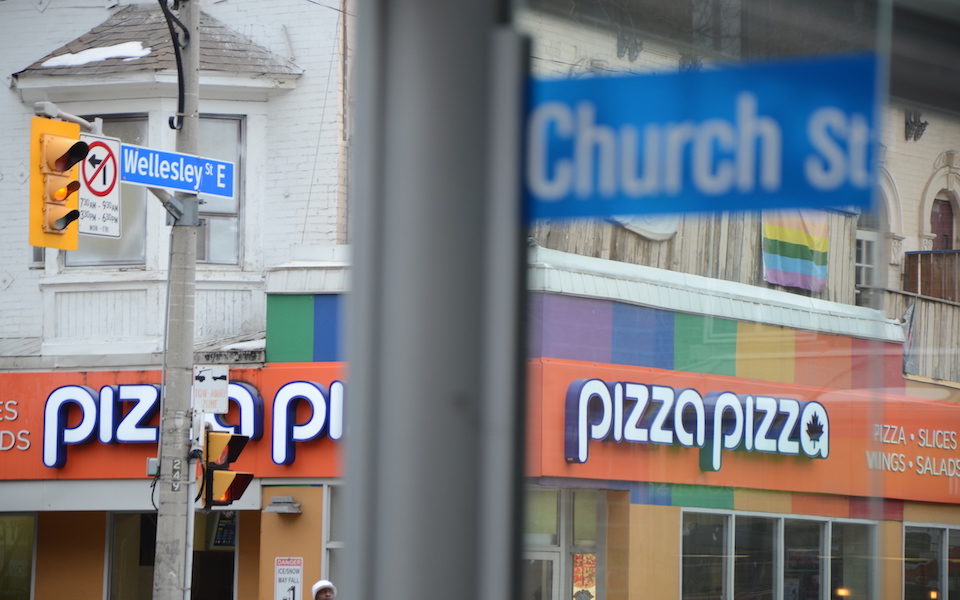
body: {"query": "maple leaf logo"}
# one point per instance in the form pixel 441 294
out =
pixel 814 428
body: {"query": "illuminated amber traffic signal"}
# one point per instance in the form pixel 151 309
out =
pixel 221 486
pixel 55 150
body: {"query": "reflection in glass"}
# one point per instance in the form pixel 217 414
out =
pixel 585 518
pixel 704 547
pixel 850 564
pixel 953 564
pixel 132 543
pixel 537 580
pixel 802 560
pixel 541 526
pixel 16 556
pixel 218 241
pixel 921 562
pixel 754 576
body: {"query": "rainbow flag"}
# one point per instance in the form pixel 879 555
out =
pixel 795 246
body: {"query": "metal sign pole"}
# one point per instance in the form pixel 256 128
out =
pixel 172 568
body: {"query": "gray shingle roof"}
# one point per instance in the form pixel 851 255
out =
pixel 221 48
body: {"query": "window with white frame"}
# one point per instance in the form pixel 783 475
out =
pixel 218 242
pixel 736 555
pixel 130 247
pixel 333 532
pixel 866 253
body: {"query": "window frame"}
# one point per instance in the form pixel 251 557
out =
pixel 779 551
pixel 203 234
pixel 136 264
pixel 943 562
pixel 32 577
pixel 330 544
pixel 566 547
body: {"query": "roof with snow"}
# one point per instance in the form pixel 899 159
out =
pixel 136 38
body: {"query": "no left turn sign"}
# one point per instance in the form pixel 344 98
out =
pixel 99 189
pixel 100 169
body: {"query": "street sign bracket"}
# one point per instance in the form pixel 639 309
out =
pixel 172 205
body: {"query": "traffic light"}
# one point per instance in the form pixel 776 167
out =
pixel 221 486
pixel 55 150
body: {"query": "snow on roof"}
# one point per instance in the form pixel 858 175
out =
pixel 126 50
pixel 136 38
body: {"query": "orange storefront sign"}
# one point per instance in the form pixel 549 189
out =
pixel 839 441
pixel 88 423
pixel 585 423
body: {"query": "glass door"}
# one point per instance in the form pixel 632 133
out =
pixel 541 576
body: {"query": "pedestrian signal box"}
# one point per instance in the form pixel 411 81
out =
pixel 221 486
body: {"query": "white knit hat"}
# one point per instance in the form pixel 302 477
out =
pixel 322 584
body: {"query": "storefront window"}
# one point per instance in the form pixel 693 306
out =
pixel 704 556
pixel 754 558
pixel 564 539
pixel 542 518
pixel 922 550
pixel 16 556
pixel 802 559
pixel 953 562
pixel 539 579
pixel 585 504
pixel 132 545
pixel 851 562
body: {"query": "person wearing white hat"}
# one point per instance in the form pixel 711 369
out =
pixel 324 590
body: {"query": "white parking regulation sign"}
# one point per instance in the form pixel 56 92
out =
pixel 100 187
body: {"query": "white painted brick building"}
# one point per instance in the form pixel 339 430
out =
pixel 104 305
pixel 90 309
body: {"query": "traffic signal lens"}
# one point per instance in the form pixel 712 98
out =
pixel 223 448
pixel 228 486
pixel 62 153
pixel 59 220
pixel 61 193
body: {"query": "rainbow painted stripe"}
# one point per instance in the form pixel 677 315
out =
pixel 307 328
pixel 795 247
pixel 603 331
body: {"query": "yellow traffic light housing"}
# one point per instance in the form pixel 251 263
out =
pixel 221 486
pixel 55 150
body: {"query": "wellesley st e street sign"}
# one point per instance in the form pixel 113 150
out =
pixel 176 171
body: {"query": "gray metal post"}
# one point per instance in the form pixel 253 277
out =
pixel 171 575
pixel 434 311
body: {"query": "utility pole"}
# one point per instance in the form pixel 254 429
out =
pixel 174 550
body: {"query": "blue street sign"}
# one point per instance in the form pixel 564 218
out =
pixel 174 171
pixel 789 133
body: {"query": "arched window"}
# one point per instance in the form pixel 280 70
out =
pixel 941 223
pixel 865 260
